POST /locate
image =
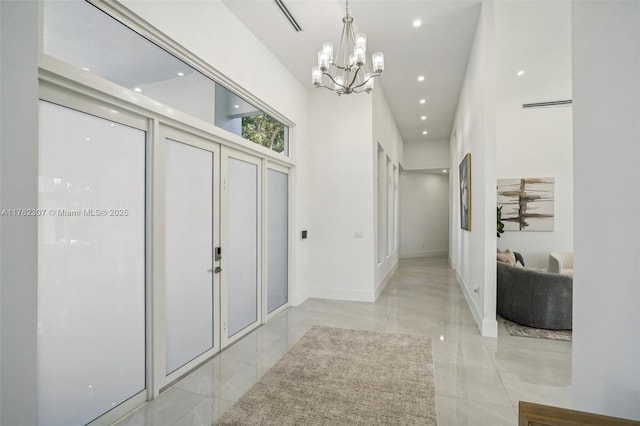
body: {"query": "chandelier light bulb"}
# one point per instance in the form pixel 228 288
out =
pixel 378 62
pixel 359 56
pixel 327 48
pixel 339 83
pixel 361 41
pixel 316 76
pixel 323 61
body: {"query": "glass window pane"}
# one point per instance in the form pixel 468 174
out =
pixel 82 35
pixel 242 255
pixel 277 239
pixel 91 265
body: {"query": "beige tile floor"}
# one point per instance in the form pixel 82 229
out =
pixel 479 380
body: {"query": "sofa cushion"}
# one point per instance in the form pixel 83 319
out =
pixel 507 258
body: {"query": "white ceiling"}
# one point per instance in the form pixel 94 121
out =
pixel 439 49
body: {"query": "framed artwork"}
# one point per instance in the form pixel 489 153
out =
pixel 465 192
pixel 527 203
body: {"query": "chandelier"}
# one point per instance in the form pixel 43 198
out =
pixel 345 72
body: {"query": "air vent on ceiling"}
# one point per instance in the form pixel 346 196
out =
pixel 288 15
pixel 567 102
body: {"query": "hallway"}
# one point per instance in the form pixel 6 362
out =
pixel 479 380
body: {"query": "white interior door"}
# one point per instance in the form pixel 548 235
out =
pixel 241 230
pixel 191 285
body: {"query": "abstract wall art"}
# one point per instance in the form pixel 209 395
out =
pixel 527 203
pixel 465 192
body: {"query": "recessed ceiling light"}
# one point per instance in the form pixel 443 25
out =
pixel 87 139
pixel 444 170
pixel 422 101
pixel 180 74
pixel 424 132
pixel 236 106
pixel 137 89
pixel 85 69
pixel 424 117
pixel 417 23
pixel 421 78
pixel 520 73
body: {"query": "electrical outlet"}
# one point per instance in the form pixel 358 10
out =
pixel 358 235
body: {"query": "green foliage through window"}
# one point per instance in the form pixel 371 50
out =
pixel 264 130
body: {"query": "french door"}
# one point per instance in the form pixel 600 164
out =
pixel 209 201
pixel 241 230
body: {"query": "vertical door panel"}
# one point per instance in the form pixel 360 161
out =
pixel 277 239
pixel 91 266
pixel 242 250
pixel 189 218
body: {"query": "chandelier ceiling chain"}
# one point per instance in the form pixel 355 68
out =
pixel 346 71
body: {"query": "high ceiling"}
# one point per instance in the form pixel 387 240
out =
pixel 438 49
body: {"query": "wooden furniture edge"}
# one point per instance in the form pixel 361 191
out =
pixel 555 416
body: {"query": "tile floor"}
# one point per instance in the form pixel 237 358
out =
pixel 479 380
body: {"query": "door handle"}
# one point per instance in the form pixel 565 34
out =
pixel 216 270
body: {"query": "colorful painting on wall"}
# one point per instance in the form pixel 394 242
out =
pixel 465 192
pixel 527 203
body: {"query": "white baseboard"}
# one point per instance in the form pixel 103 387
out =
pixel 422 253
pixel 341 294
pixel 488 327
pixel 469 298
pixel 300 298
pixel 385 280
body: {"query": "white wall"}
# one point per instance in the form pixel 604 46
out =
pixel 535 36
pixel 424 214
pixel 213 33
pixel 341 219
pixel 386 135
pixel 426 155
pixel 606 125
pixel 472 253
pixel 19 180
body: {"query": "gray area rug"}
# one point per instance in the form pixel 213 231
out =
pixel 516 329
pixel 335 376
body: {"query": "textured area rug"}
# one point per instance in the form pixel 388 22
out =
pixel 335 376
pixel 516 329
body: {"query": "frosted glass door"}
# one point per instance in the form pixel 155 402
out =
pixel 240 248
pixel 189 218
pixel 277 239
pixel 91 265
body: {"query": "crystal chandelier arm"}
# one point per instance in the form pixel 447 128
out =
pixel 365 82
pixel 355 75
pixel 326 87
pixel 334 82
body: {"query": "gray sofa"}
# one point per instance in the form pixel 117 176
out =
pixel 535 298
